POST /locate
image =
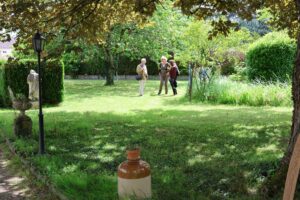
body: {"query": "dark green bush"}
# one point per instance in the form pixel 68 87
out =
pixel 128 66
pixel 228 67
pixel 76 64
pixel 232 60
pixel 14 74
pixel 271 58
pixel 72 63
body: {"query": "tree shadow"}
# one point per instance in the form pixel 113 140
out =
pixel 213 154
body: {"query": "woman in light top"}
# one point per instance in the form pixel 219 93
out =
pixel 164 69
pixel 141 70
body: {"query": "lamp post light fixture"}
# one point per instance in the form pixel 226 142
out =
pixel 38 41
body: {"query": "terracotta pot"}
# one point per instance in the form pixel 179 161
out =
pixel 134 177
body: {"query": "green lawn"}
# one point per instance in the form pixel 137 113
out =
pixel 196 151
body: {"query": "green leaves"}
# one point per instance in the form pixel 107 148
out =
pixel 88 19
pixel 197 46
pixel 271 57
pixel 221 10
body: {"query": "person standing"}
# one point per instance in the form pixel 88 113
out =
pixel 142 72
pixel 174 72
pixel 164 69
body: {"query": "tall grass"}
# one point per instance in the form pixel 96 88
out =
pixel 225 91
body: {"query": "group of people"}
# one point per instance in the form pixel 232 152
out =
pixel 168 72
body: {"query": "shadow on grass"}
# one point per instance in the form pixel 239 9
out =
pixel 216 154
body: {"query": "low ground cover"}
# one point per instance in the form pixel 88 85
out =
pixel 196 151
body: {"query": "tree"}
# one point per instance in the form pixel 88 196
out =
pixel 89 19
pixel 160 35
pixel 220 11
pixel 201 50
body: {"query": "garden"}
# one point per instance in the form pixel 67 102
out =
pixel 186 144
pixel 226 135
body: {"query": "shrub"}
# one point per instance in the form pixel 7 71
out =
pixel 232 60
pixel 271 57
pixel 72 63
pixel 228 67
pixel 127 66
pixel 14 74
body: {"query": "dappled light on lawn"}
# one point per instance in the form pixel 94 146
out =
pixel 209 151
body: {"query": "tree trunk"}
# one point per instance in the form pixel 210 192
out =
pixel 109 66
pixel 296 112
pixel 275 183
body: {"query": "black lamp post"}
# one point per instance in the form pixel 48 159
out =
pixel 38 48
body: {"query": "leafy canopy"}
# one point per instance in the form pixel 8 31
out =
pixel 91 19
pixel 220 11
pixel 197 47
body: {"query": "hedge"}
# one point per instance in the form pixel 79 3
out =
pixel 271 58
pixel 75 66
pixel 14 74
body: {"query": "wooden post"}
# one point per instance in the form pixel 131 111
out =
pixel 190 82
pixel 293 172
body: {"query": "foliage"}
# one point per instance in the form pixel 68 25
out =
pixel 233 62
pixel 245 10
pixel 80 57
pixel 130 42
pixel 53 82
pixel 199 49
pixel 94 20
pixel 240 73
pixel 271 57
pixel 90 20
pixel 72 63
pixel 228 67
pixel 255 26
pixel 160 36
pixel 86 141
pixel 226 91
pixel 2 62
pixel 127 66
pixel 14 75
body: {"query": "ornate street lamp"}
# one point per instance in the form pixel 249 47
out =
pixel 38 41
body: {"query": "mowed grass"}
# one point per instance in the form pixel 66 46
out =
pixel 196 151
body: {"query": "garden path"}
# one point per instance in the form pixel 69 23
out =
pixel 11 186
